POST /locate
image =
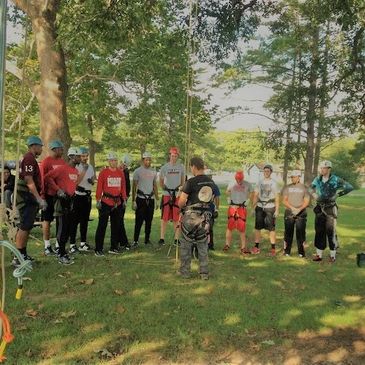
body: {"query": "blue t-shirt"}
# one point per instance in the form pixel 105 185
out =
pixel 326 191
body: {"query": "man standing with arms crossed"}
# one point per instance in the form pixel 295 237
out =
pixel 172 177
pixel 266 202
pixel 50 163
pixel 82 203
pixel 296 199
pixel 325 187
pixel 28 199
pixel 144 198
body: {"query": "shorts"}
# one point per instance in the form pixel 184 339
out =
pixel 265 218
pixel 28 210
pixel 48 214
pixel 169 213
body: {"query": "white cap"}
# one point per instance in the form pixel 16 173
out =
pixel 111 156
pixel 146 155
pixel 126 159
pixel 325 163
pixel 73 151
pixel 295 173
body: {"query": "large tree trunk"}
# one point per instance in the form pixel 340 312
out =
pixel 92 143
pixel 52 88
pixel 311 113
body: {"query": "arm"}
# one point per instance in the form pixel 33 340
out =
pixel 346 187
pixel 123 192
pixel 31 186
pixel 99 186
pixel 50 179
pixel 134 190
pixel 155 189
pixel 183 199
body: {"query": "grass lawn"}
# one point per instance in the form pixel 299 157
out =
pixel 134 309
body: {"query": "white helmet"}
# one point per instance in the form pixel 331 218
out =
pixel 112 156
pixel 146 155
pixel 295 173
pixel 325 163
pixel 73 151
pixel 126 159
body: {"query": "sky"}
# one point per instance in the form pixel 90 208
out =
pixel 250 98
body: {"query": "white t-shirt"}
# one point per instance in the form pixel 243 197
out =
pixel 240 192
pixel 267 189
pixel 172 175
pixel 88 175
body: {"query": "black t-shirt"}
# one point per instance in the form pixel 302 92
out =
pixel 193 186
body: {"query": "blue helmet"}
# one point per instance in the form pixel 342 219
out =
pixel 84 150
pixel 55 144
pixel 34 140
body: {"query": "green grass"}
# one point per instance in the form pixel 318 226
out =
pixel 137 310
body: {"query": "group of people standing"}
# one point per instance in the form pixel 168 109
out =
pixel 63 189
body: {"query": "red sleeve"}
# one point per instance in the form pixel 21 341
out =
pixel 124 190
pixel 99 186
pixel 50 179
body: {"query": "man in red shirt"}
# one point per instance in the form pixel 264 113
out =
pixel 28 198
pixel 111 197
pixel 50 163
pixel 64 181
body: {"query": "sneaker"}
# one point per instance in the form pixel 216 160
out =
pixel 127 247
pixel 134 245
pixel 317 258
pixel 332 260
pixel 28 258
pixel 255 250
pixel 65 260
pixel 99 253
pixel 273 252
pixel 161 242
pixel 48 251
pixel 57 250
pixel 204 276
pixel 114 251
pixel 177 242
pixel 74 249
pixel 85 247
pixel 301 256
pixel 287 254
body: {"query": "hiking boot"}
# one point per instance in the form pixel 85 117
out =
pixel 48 251
pixel 65 260
pixel 74 249
pixel 114 251
pixel 255 250
pixel 317 258
pixel 332 260
pixel 204 276
pixel 183 275
pixel 161 242
pixel 99 253
pixel 84 247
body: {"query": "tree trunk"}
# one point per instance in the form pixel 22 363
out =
pixel 311 113
pixel 52 88
pixel 91 141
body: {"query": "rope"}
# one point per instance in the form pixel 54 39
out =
pixel 189 88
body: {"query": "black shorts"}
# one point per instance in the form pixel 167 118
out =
pixel 48 214
pixel 27 211
pixel 265 218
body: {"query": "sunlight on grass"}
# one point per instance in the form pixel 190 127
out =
pixel 257 264
pixel 232 319
pixel 208 289
pixel 352 298
pixel 346 318
pixel 315 303
pixel 289 316
pixel 94 327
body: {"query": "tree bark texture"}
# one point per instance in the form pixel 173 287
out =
pixel 52 88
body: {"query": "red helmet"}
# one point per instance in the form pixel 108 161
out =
pixel 174 150
pixel 239 176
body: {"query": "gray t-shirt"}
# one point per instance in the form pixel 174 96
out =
pixel 88 175
pixel 296 194
pixel 145 179
pixel 172 175
pixel 240 192
pixel 267 189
